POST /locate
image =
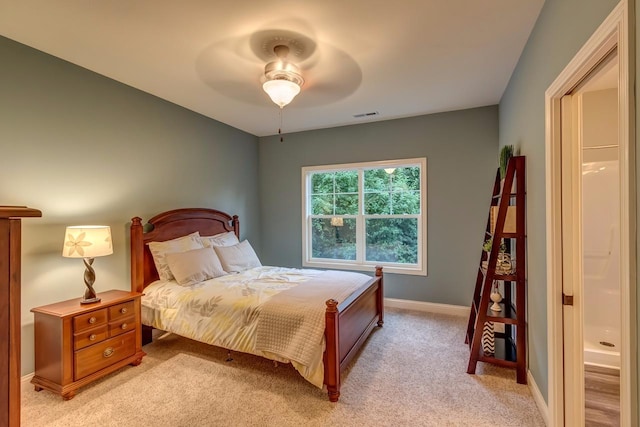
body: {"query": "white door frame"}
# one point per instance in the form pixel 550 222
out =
pixel 614 31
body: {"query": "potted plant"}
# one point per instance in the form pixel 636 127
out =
pixel 489 242
pixel 505 154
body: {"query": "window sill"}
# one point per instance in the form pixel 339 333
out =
pixel 365 267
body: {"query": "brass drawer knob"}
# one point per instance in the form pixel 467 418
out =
pixel 92 320
pixel 124 326
pixel 92 337
pixel 123 310
pixel 108 352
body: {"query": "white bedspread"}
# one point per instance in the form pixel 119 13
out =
pixel 226 312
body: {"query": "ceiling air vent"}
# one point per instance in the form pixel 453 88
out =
pixel 373 113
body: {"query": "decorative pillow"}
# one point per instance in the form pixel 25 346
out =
pixel 181 244
pixel 194 266
pixel 238 257
pixel 223 239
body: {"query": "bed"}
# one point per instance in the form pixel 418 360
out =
pixel 347 321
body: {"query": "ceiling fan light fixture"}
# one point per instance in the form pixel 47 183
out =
pixel 281 91
pixel 283 79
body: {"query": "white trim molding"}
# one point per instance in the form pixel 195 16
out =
pixel 360 219
pixel 613 33
pixel 26 379
pixel 537 397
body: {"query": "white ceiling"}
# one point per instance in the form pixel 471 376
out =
pixel 400 58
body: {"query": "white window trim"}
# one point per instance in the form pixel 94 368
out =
pixel 420 269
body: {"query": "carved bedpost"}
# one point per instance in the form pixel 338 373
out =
pixel 235 222
pixel 137 254
pixel 380 296
pixel 137 268
pixel 332 352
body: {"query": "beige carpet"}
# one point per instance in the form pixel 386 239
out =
pixel 411 372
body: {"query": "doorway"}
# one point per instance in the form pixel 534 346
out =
pixel 572 259
pixel 591 223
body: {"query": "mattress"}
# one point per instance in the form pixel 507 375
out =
pixel 240 312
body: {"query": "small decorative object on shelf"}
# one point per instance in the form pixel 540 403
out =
pixel 504 244
pixel 488 339
pixel 496 297
pixel 503 265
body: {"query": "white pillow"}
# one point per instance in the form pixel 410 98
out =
pixel 194 266
pixel 238 257
pixel 223 239
pixel 181 244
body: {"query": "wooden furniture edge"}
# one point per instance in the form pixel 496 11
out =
pixel 10 275
pixel 19 212
pixel 334 364
pixel 137 247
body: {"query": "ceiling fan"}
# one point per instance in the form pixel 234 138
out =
pixel 239 66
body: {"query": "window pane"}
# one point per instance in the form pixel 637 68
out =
pixel 392 240
pixel 322 183
pixel 406 202
pixel 404 179
pixel 346 204
pixel 332 242
pixel 376 204
pixel 376 180
pixel 322 205
pixel 346 181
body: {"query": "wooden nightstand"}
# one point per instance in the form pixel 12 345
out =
pixel 76 344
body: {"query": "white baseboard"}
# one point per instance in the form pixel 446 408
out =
pixel 431 307
pixel 537 397
pixel 26 379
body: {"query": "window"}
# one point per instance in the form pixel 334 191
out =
pixel 360 215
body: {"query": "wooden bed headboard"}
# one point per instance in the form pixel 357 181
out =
pixel 170 225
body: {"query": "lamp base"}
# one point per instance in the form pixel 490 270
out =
pixel 90 296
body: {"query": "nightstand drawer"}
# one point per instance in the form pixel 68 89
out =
pixel 121 310
pixel 98 356
pixel 121 326
pixel 89 320
pixel 89 337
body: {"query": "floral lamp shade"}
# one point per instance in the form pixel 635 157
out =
pixel 87 241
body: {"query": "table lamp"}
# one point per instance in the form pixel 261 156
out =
pixel 88 242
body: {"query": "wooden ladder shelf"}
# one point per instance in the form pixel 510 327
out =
pixel 506 224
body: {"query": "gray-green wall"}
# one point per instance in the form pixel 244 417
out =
pixel 461 152
pixel 85 149
pixel 560 31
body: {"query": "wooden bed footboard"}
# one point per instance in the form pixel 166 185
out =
pixel 347 326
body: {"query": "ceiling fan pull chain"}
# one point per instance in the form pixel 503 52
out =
pixel 280 128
